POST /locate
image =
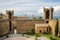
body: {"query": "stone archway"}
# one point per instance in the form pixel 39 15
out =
pixel 15 30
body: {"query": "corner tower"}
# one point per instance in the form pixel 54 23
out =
pixel 10 17
pixel 48 13
pixel 10 14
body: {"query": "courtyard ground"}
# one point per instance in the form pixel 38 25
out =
pixel 29 37
pixel 22 37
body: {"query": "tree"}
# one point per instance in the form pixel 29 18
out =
pixel 34 18
pixel 56 28
pixel 40 17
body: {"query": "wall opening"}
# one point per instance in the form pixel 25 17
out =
pixel 9 15
pixel 47 21
pixel 10 22
pixel 47 14
pixel 40 31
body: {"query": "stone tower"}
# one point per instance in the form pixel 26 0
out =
pixel 10 14
pixel 10 17
pixel 48 14
pixel 1 15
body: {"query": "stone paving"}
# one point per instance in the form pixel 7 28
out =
pixel 15 35
pixel 21 37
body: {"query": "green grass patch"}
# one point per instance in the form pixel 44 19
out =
pixel 50 35
pixel 46 35
pixel 35 35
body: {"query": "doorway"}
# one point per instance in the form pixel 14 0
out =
pixel 39 31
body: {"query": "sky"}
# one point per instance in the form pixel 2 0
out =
pixel 29 7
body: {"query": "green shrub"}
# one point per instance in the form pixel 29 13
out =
pixel 52 38
pixel 37 35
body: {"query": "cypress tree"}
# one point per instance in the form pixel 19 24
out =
pixel 56 28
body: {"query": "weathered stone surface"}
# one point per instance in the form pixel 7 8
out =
pixel 4 28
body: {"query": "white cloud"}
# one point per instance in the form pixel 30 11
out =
pixel 41 10
pixel 56 9
pixel 26 5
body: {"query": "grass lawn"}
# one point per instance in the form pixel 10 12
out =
pixel 46 35
pixel 50 35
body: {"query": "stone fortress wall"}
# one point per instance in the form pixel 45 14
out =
pixel 52 24
pixel 4 27
pixel 23 26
